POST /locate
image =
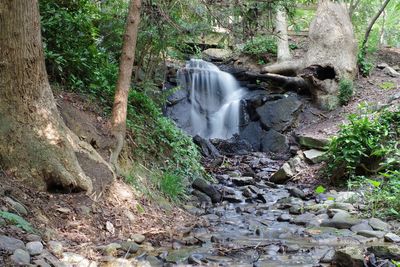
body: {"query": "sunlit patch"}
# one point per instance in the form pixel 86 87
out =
pixel 50 133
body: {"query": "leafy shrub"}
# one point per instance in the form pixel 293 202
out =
pixel 365 65
pixel 345 91
pixel 172 185
pixel 370 137
pixel 260 45
pixel 17 221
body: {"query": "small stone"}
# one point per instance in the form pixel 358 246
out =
pixel 241 181
pixel 390 237
pixel 296 192
pixel 296 210
pixel 350 257
pixel 195 259
pixel 310 141
pixel 110 227
pixel 361 227
pixel 34 248
pixel 304 219
pixel 328 257
pixel 292 248
pixel 20 257
pixel 315 156
pixel 391 72
pixel 282 175
pixel 15 205
pixel 378 224
pixel 366 233
pixel 284 218
pixel 41 263
pixel 138 238
pixel 341 220
pixel 111 249
pixel 130 247
pixel 32 237
pixel 10 244
pixel 56 248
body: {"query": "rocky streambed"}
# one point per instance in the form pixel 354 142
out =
pixel 259 223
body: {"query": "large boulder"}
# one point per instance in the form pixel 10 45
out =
pixel 217 54
pixel 274 142
pixel 252 133
pixel 279 114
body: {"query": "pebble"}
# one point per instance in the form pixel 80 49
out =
pixel 390 237
pixel 20 257
pixel 34 248
pixel 138 238
pixel 9 244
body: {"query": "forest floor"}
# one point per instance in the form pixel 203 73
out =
pixel 87 226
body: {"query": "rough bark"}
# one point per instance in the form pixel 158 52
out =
pixel 282 36
pixel 331 55
pixel 35 144
pixel 119 111
pixel 370 25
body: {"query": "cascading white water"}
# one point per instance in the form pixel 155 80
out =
pixel 215 99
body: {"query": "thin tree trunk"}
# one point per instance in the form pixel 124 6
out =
pixel 282 35
pixel 369 28
pixel 119 112
pixel 35 143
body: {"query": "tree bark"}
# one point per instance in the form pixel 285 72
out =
pixel 35 144
pixel 119 111
pixel 369 28
pixel 282 36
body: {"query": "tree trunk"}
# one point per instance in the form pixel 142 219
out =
pixel 35 144
pixel 119 111
pixel 331 55
pixel 282 36
pixel 369 28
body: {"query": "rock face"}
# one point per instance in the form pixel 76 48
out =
pixel 279 114
pixel 216 54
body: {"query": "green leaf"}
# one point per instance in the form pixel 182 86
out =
pixel 320 189
pixel 374 183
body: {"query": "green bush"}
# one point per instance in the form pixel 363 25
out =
pixel 260 45
pixel 370 137
pixel 365 65
pixel 345 91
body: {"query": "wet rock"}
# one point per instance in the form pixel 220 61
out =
pixel 296 192
pixel 233 146
pixel 391 252
pixel 346 197
pixel 233 198
pixel 32 237
pixel 195 259
pixel 253 134
pixel 242 181
pixel 15 205
pixel 350 257
pixel 390 237
pixel 341 220
pixel 368 233
pixel 292 248
pixel 282 175
pixel 364 226
pixel 378 224
pixel 315 156
pixel 138 238
pixel 279 114
pixel 342 206
pixel 34 248
pixel 333 212
pixel 206 188
pixel 202 198
pixel 56 248
pixel 296 209
pixel 310 141
pixel 304 219
pixel 110 249
pixel 328 257
pixel 9 244
pixel 20 257
pixel 284 218
pixel 274 142
pixel 207 149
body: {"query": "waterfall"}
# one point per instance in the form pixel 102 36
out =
pixel 214 97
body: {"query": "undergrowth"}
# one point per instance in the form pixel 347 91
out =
pixel 345 91
pixel 366 153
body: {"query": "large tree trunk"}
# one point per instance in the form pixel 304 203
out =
pixel 119 112
pixel 35 144
pixel 282 36
pixel 331 55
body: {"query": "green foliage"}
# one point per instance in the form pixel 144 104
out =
pixel 365 65
pixel 260 45
pixel 17 221
pixel 370 137
pixel 320 189
pixel 161 146
pixel 388 86
pixel 345 91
